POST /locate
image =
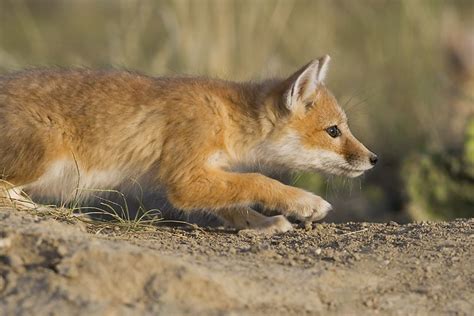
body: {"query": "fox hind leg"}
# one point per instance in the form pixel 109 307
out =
pixel 245 218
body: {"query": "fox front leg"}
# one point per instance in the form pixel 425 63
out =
pixel 213 189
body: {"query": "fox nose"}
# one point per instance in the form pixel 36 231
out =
pixel 373 159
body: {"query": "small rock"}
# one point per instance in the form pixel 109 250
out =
pixel 277 256
pixel 269 253
pixel 255 248
pixel 369 303
pixel 318 251
pixel 5 242
pixel 3 283
pixel 195 233
pixel 67 270
pixel 62 250
pixel 14 261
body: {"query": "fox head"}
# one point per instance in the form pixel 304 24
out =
pixel 311 132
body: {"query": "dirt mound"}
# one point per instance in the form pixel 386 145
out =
pixel 52 267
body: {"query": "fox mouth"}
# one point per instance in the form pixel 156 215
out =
pixel 354 173
pixel 351 171
pixel 342 170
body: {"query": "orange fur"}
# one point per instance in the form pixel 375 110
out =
pixel 190 136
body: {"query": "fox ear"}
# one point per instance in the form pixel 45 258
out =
pixel 304 82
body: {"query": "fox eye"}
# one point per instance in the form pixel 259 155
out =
pixel 333 131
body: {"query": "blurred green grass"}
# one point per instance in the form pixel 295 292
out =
pixel 388 68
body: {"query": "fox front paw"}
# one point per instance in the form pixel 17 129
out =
pixel 310 207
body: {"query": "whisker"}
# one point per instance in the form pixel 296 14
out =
pixel 350 107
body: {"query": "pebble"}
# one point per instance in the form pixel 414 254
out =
pixel 62 250
pixel 14 261
pixel 369 303
pixel 5 242
pixel 3 283
pixel 254 249
pixel 69 271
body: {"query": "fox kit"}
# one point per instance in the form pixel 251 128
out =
pixel 193 138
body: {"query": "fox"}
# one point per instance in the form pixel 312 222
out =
pixel 196 139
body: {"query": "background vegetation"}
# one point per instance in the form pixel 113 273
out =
pixel 400 68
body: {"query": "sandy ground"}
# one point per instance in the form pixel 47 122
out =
pixel 57 267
